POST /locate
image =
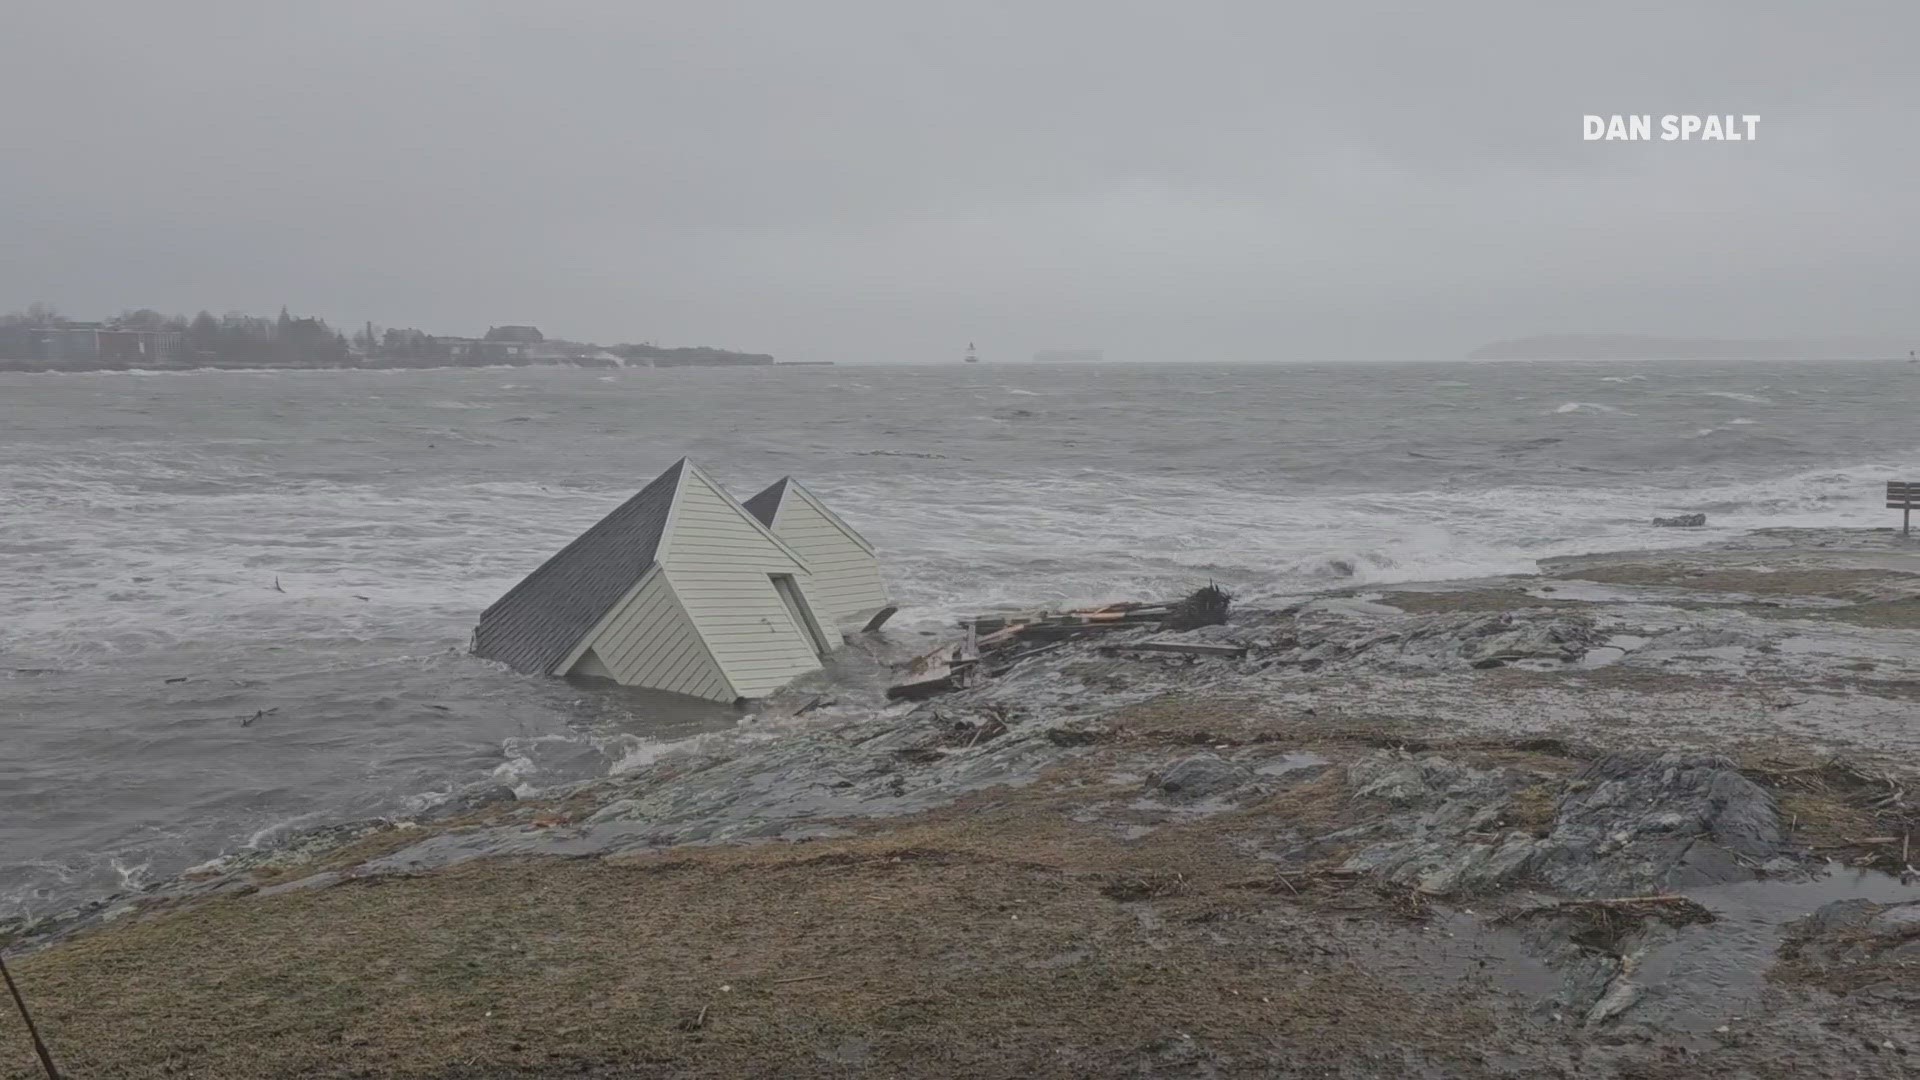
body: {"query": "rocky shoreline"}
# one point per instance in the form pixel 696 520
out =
pixel 1643 814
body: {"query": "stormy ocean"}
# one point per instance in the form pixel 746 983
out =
pixel 235 604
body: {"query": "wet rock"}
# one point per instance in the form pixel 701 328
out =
pixel 1202 776
pixel 1638 822
pixel 1896 921
pixel 1627 824
pixel 1422 780
pixel 1449 841
pixel 1858 943
pixel 1504 638
pixel 1621 995
pixel 1681 521
pixel 471 799
pixel 1841 916
pixel 1448 640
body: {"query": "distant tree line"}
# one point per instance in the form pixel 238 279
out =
pixel 39 337
pixel 232 340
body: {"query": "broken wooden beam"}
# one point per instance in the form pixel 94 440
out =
pixel 936 672
pixel 1184 648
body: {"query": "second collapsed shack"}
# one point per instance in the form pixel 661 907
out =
pixel 997 642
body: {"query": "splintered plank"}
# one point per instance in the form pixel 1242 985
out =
pixel 1184 648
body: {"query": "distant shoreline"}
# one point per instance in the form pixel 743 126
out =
pixel 42 367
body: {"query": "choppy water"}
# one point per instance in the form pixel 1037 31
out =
pixel 145 519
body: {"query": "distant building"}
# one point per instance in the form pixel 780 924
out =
pixel 91 343
pixel 461 348
pixel 516 335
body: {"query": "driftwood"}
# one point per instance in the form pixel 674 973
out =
pixel 1014 636
pixel 945 668
pixel 1202 607
pixel 1185 648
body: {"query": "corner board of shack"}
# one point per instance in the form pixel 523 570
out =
pixel 685 589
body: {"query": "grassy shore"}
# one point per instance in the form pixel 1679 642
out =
pixel 1069 900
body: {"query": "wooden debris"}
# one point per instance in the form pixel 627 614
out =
pixel 1202 607
pixel 1186 648
pixel 937 672
pixel 1010 637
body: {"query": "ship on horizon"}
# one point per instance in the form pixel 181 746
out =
pixel 972 357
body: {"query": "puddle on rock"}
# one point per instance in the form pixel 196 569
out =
pixel 1692 980
pixel 1610 652
pixel 1708 975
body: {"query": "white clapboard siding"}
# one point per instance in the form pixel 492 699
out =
pixel 648 639
pixel 846 575
pixel 718 560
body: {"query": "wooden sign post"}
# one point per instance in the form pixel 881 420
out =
pixel 1901 495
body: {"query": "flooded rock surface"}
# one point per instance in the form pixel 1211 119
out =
pixel 1412 831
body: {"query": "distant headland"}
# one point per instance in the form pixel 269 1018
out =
pixel 1645 347
pixel 39 338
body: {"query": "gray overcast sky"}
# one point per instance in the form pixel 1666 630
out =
pixel 886 181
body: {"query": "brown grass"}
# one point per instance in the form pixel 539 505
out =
pixel 998 939
pixel 1880 614
pixel 1834 584
pixel 1532 808
pixel 1839 810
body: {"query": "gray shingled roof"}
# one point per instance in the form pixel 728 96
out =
pixel 764 505
pixel 534 626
